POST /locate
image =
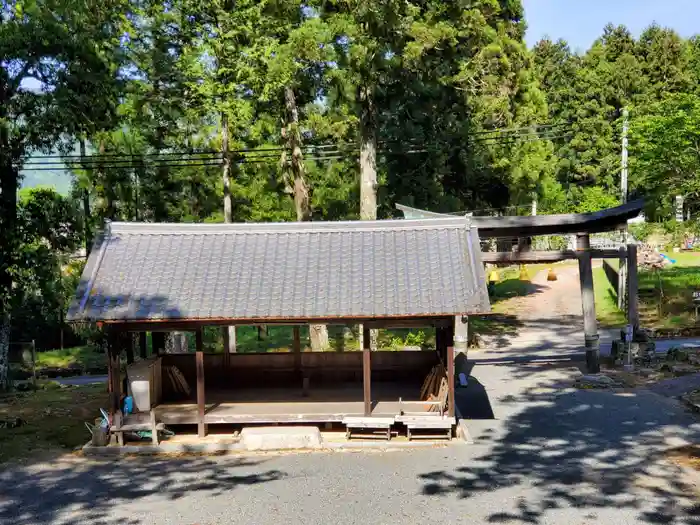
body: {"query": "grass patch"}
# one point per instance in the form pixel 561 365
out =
pixel 607 312
pixel 78 357
pixel 54 421
pixel 678 281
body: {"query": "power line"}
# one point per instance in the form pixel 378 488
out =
pixel 256 155
pixel 215 164
pixel 505 132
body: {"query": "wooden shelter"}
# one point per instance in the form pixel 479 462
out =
pixel 160 278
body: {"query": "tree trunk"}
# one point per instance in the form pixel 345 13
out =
pixel 227 332
pixel 318 333
pixel 368 169
pixel 368 155
pixel 300 188
pixel 4 351
pixel 8 238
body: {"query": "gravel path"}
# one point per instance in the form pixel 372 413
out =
pixel 543 454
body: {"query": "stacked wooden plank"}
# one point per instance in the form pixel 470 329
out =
pixel 177 380
pixel 435 387
pixel 431 385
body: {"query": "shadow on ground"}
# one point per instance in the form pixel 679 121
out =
pixel 74 491
pixel 598 452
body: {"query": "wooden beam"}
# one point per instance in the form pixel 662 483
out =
pixel 531 225
pixel 632 288
pixel 547 256
pixel 185 325
pixel 199 358
pixel 590 328
pixel 366 371
pixel 450 381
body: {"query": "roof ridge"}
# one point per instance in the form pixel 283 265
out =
pixel 149 228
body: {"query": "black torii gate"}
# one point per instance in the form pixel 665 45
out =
pixel 580 224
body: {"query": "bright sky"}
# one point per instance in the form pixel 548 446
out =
pixel 580 22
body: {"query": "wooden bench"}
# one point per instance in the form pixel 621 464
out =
pixel 427 423
pixel 367 425
pixel 120 426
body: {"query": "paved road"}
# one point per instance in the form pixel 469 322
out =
pixel 543 454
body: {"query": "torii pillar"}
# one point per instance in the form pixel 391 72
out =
pixel 590 327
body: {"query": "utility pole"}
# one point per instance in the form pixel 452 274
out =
pixel 625 129
pixel 622 273
pixel 86 202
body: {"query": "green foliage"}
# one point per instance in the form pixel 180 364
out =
pixel 665 148
pixel 642 231
pixel 410 338
pixel 49 229
pixel 436 82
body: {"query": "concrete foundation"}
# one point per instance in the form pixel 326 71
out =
pixel 280 438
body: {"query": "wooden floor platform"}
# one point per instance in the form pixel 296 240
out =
pixel 284 405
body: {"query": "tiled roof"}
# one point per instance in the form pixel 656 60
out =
pixel 300 271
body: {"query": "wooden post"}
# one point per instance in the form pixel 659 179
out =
pixel 143 350
pixel 451 331
pixel 366 371
pixel 590 328
pixel 296 348
pixel 440 342
pixel 114 384
pixel 129 347
pixel 201 427
pixel 451 381
pixel 157 342
pixel 632 288
pixel 225 333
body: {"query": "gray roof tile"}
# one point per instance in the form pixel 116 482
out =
pixel 300 271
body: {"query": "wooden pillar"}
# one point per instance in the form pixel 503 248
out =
pixel 440 344
pixel 158 343
pixel 143 350
pixel 199 358
pixel 129 347
pixel 632 288
pixel 366 370
pixel 590 328
pixel 451 381
pixel 451 331
pixel 296 348
pixel 114 384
